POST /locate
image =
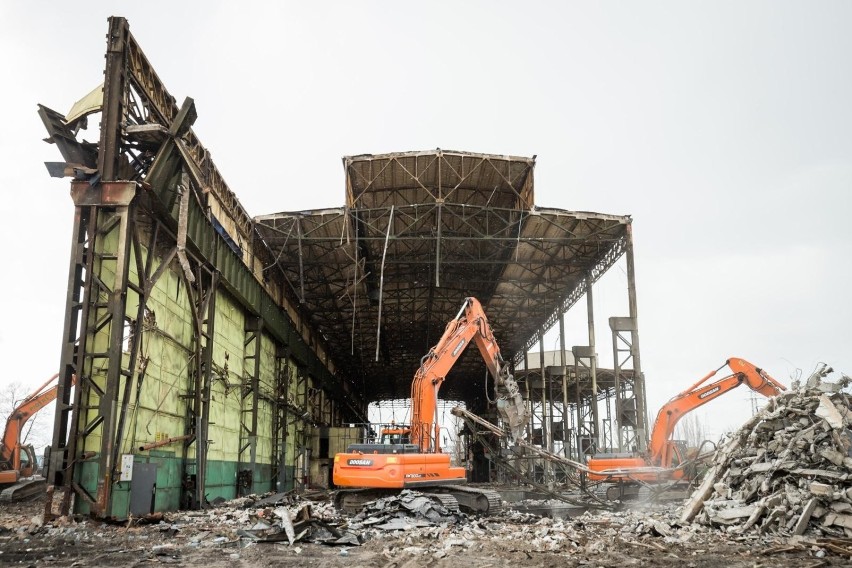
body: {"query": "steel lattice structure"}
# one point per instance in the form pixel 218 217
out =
pixel 420 231
pixel 348 299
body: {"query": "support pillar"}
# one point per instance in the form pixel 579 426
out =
pixel 93 344
pixel 546 409
pixel 566 444
pixel 639 378
pixel 587 426
pixel 250 392
pixel 202 294
pixel 280 481
pixel 593 360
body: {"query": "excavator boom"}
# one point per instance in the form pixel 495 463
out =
pixel 10 445
pixel 420 464
pixel 699 394
pixel 469 324
pixel 660 457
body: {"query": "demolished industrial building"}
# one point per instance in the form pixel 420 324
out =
pixel 218 372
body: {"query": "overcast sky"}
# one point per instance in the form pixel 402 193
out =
pixel 723 128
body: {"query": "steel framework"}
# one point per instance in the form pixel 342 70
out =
pixel 147 196
pixel 352 297
pixel 421 230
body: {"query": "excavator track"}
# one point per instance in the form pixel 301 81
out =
pixel 610 492
pixel 353 500
pixel 447 501
pixel 621 491
pixel 473 499
pixel 23 489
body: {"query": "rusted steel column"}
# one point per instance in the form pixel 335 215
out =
pixel 638 378
pixel 115 371
pixel 531 421
pixel 593 367
pixel 439 204
pixel 206 380
pixel 546 408
pixel 115 76
pixel 565 444
pixel 62 457
pixel 279 419
pixel 578 391
pixel 250 396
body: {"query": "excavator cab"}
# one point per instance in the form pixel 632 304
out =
pixel 392 439
pixel 401 435
pixel 678 452
pixel 28 461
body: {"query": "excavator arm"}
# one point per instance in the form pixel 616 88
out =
pixel 758 380
pixel 373 469
pixel 469 324
pixel 10 445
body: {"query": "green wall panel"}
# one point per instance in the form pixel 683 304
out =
pixel 221 479
pixel 158 410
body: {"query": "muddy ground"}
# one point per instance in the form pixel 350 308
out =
pixel 210 538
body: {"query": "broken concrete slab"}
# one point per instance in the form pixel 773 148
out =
pixel 832 455
pixel 827 411
pixel 404 510
pixel 805 517
pixel 729 515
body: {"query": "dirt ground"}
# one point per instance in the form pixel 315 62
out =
pixel 634 538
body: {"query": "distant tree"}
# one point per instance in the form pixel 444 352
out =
pixel 691 429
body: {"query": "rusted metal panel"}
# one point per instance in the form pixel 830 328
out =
pixel 104 194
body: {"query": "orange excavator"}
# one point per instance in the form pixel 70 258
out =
pixel 17 460
pixel 664 457
pixel 378 469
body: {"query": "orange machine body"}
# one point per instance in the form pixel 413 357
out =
pixel 395 470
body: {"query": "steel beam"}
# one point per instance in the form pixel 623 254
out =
pixel 250 391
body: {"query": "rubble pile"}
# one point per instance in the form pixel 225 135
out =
pixel 281 517
pixel 403 511
pixel 594 538
pixel 286 518
pixel 259 530
pixel 281 524
pixel 788 471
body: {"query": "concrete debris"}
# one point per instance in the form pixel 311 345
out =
pixel 403 511
pixel 786 472
pixel 241 533
pixel 287 497
pixel 829 412
pixel 602 538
